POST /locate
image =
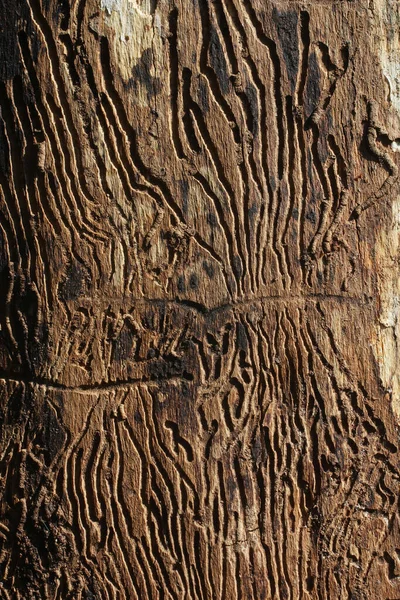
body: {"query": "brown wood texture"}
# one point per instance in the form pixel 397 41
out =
pixel 199 300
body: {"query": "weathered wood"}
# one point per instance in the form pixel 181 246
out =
pixel 199 299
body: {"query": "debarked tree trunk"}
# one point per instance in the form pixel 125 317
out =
pixel 199 300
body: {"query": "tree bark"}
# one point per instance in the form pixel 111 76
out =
pixel 199 299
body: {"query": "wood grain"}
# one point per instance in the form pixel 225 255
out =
pixel 199 300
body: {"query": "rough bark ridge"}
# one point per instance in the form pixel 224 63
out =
pixel 199 221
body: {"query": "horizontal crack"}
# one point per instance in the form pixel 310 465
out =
pixel 90 388
pixel 284 299
pixel 247 302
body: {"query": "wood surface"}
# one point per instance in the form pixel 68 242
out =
pixel 199 300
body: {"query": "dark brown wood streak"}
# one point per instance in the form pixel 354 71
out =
pixel 199 300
